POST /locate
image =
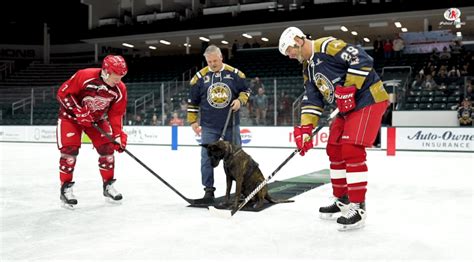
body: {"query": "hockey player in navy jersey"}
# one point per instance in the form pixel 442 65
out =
pixel 340 73
pixel 215 89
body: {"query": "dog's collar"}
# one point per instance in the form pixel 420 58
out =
pixel 231 152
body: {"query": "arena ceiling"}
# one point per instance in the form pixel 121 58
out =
pixel 367 26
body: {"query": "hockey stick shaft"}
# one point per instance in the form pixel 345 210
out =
pixel 190 201
pixel 229 114
pixel 265 182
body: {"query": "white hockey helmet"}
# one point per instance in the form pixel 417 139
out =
pixel 287 38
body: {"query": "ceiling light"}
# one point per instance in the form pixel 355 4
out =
pixel 165 42
pixel 354 33
pixel 247 36
pixel 204 39
pixel 404 29
pixel 127 45
pixel 224 42
pixel 187 45
pixel 398 24
pixel 366 40
pixel 264 39
pixel 152 47
pixel 344 29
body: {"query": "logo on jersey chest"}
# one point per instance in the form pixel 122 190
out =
pixel 96 103
pixel 324 86
pixel 219 95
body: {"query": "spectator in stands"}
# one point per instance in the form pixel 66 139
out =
pixel 456 48
pixel 215 89
pixel 468 91
pixel 175 120
pixel 284 109
pixel 454 72
pixel 378 47
pixel 442 75
pixel 260 103
pixel 138 121
pixel 445 54
pixel 246 45
pixel 429 84
pixel 398 46
pixel 183 106
pixel 465 113
pixel 419 78
pixel 434 57
pixel 464 69
pixel 387 49
pixel 255 84
pixel 154 120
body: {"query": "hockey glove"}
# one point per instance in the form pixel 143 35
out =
pixel 120 141
pixel 83 116
pixel 345 98
pixel 303 139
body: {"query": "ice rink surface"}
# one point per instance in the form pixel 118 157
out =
pixel 419 206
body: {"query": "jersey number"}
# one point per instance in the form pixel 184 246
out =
pixel 351 52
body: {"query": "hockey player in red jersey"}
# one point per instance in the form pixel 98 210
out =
pixel 340 73
pixel 92 95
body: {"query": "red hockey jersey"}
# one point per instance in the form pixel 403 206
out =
pixel 86 87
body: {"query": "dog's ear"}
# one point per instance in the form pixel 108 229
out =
pixel 204 145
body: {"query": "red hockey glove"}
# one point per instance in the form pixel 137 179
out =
pixel 302 136
pixel 345 98
pixel 120 141
pixel 83 116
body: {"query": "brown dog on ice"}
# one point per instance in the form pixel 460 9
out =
pixel 240 167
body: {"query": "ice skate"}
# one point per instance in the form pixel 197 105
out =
pixel 354 218
pixel 336 209
pixel 66 195
pixel 110 192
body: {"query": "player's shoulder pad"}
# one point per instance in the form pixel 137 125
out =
pixel 199 75
pixel 329 45
pixel 234 70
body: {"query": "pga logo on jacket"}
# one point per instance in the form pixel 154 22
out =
pixel 219 95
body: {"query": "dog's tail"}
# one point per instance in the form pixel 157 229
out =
pixel 277 201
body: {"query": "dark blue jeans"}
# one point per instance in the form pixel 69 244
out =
pixel 209 135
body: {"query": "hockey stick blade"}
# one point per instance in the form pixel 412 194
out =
pixel 220 212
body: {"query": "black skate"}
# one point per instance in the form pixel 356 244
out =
pixel 354 217
pixel 338 207
pixel 66 195
pixel 110 192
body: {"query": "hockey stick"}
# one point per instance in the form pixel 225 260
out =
pixel 226 124
pixel 190 201
pixel 230 213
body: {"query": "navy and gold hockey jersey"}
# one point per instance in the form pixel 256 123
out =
pixel 333 63
pixel 212 93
